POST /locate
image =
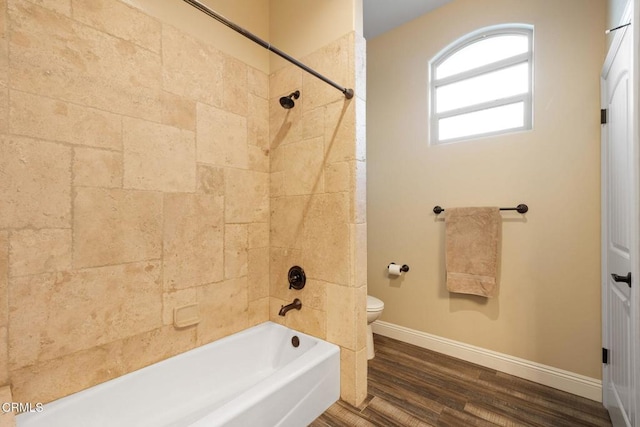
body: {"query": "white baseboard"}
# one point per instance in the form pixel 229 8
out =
pixel 570 382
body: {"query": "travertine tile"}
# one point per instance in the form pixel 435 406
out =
pixel 60 6
pixel 258 158
pixel 210 180
pixel 360 311
pixel 4 278
pixel 325 244
pixel 4 306
pixel 307 321
pixel 55 314
pixel 4 102
pixel 258 235
pixel 304 165
pixel 274 308
pixel 150 347
pixel 4 356
pixel 280 261
pixel 120 20
pixel 276 159
pixel 287 221
pixel 276 184
pixel 258 122
pixel 191 68
pixel 341 316
pixel 225 309
pixel 46 118
pixel 4 56
pixel 340 132
pixel 222 137
pixel 235 251
pixel 247 196
pixel 158 157
pixel 258 83
pixel 7 419
pixel 116 226
pixel 50 380
pixel 358 188
pixel 284 81
pixel 313 295
pixel 337 177
pixel 39 191
pixel 178 111
pixel 313 123
pixel 360 64
pixel 258 273
pixel 353 376
pixel 97 168
pixel 193 240
pixel 40 251
pixel 80 64
pixel 333 60
pixel 173 299
pixel 285 126
pixel 258 311
pixel 358 234
pixel 361 129
pixel 235 89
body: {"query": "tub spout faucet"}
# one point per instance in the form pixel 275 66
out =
pixel 297 304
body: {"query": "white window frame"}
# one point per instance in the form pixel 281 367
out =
pixel 446 53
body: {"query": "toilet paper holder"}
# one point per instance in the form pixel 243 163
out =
pixel 403 269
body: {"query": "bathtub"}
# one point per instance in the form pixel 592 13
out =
pixel 253 378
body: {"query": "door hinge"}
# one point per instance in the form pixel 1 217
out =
pixel 603 116
pixel 605 356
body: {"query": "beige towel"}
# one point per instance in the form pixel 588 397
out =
pixel 472 237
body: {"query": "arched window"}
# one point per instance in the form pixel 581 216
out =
pixel 482 84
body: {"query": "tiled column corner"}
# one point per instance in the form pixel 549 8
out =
pixel 7 419
pixel 4 307
pixel 353 375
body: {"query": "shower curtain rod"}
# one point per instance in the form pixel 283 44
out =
pixel 348 93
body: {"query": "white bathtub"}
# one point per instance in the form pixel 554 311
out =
pixel 253 378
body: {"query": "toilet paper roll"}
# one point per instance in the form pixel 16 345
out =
pixel 394 270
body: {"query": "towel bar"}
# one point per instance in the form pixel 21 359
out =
pixel 521 208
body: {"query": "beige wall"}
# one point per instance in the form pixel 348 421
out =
pixel 548 306
pixel 302 27
pixel 135 145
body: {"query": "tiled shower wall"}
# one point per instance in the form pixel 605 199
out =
pixel 142 169
pixel 318 204
pixel 134 178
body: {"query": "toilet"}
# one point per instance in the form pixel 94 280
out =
pixel 374 310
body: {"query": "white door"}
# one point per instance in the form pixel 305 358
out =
pixel 619 234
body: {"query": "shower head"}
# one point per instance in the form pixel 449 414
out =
pixel 287 101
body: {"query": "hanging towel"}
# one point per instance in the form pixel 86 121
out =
pixel 472 240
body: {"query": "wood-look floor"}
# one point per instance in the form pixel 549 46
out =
pixel 411 386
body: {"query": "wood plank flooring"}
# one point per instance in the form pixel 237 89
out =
pixel 413 387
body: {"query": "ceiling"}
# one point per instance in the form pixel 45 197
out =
pixel 383 15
